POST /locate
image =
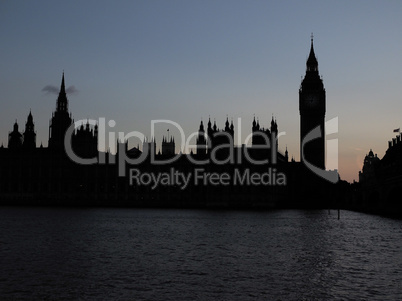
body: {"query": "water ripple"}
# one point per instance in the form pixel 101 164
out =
pixel 125 254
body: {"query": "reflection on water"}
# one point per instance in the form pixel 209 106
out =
pixel 50 253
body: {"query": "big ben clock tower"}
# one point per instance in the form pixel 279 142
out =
pixel 312 113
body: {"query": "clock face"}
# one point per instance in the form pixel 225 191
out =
pixel 311 100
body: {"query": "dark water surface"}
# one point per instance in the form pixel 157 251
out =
pixel 138 254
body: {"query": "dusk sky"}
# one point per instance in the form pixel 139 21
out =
pixel 137 61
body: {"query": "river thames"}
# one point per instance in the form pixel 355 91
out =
pixel 150 254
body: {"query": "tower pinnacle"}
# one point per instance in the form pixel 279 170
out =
pixel 312 112
pixel 63 87
pixel 312 63
pixel 62 101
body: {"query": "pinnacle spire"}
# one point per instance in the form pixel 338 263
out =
pixel 16 126
pixel 30 118
pixel 62 102
pixel 63 87
pixel 312 63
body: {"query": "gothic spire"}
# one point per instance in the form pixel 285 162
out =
pixel 62 102
pixel 312 63
pixel 29 124
pixel 63 87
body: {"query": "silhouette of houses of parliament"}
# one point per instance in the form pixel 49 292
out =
pixel 380 180
pixel 84 139
pixel 168 146
pixel 46 175
pixel 27 140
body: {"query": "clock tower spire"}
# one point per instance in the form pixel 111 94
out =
pixel 312 113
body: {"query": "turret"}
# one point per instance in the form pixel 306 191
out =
pixel 286 154
pixel 15 138
pixel 29 134
pixel 227 128
pixel 274 126
pixel 201 140
pixel 168 146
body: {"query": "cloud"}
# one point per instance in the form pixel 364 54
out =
pixel 71 90
pixel 49 89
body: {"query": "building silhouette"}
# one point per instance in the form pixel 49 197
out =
pixel 312 112
pixel 148 147
pixel 26 140
pixel 60 121
pixel 48 176
pixel 380 180
pixel 85 140
pixel 201 141
pixel 217 137
pixel 168 146
pixel 29 135
pixel 15 138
